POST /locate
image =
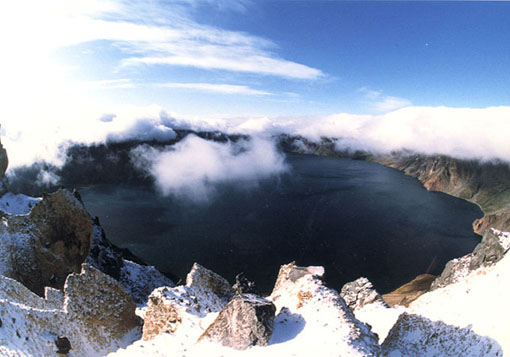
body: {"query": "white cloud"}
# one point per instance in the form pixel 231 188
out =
pixel 216 88
pixel 469 133
pixel 233 59
pixel 146 33
pixel 387 104
pixel 380 103
pixel 122 83
pixel 193 167
pixel 28 140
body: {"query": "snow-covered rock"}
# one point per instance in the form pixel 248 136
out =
pixel 359 293
pixel 182 309
pixel 478 301
pixel 93 313
pixel 491 249
pixel 369 306
pixel 311 320
pixel 414 335
pixel 321 314
pixel 40 248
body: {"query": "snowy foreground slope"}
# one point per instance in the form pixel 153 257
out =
pixel 92 312
pixel 466 318
pixel 469 317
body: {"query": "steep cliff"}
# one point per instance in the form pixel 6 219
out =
pixel 486 184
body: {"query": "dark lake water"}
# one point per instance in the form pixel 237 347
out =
pixel 355 218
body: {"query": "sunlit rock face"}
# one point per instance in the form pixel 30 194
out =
pixel 183 308
pixel 100 304
pixel 410 291
pixel 41 248
pixel 483 183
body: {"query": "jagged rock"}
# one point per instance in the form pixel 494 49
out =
pixel 491 249
pixel 41 248
pixel 204 279
pixel 138 280
pixel 103 299
pixel 499 220
pixel 300 292
pixel 414 335
pixel 410 291
pixel 246 321
pixel 244 286
pixel 93 312
pixel 291 272
pixel 102 254
pixel 169 308
pixel 359 293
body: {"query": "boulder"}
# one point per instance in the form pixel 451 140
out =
pixel 41 248
pixel 100 304
pixel 169 309
pixel 246 321
pixel 204 279
pixel 359 293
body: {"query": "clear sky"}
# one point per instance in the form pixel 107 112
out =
pixel 257 58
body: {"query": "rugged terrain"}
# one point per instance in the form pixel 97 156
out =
pixel 67 290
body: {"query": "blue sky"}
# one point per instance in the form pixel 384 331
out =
pixel 73 61
pixel 273 57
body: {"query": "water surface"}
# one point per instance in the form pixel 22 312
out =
pixel 354 217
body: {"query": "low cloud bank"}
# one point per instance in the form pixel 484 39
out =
pixel 464 133
pixel 193 167
pixel 29 141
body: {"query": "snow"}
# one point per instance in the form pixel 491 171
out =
pixel 478 301
pixel 504 238
pixel 380 317
pixel 17 204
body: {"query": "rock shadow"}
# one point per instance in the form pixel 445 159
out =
pixel 286 326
